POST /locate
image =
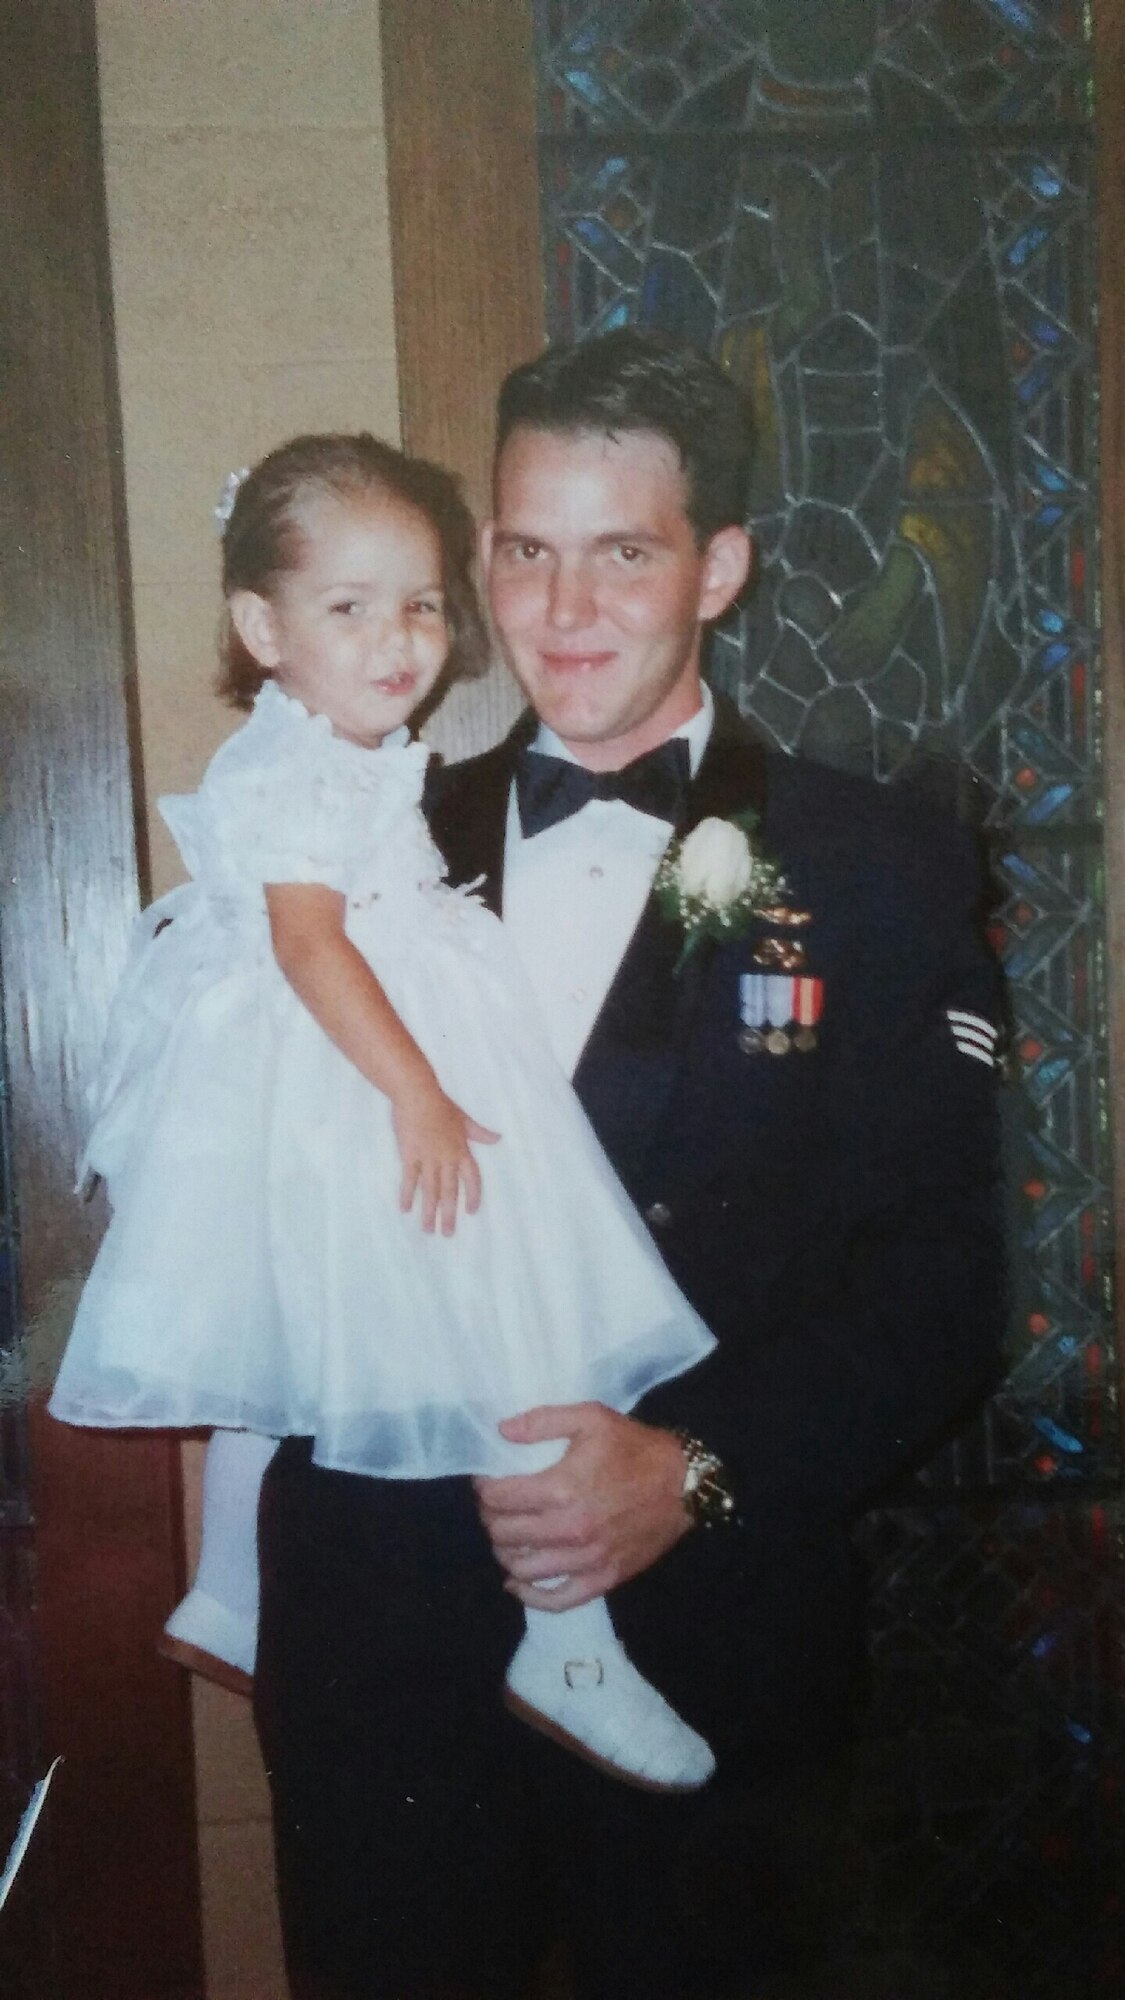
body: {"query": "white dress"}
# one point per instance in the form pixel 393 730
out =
pixel 258 1272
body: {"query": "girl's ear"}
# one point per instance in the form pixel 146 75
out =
pixel 254 621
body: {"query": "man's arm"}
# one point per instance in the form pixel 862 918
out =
pixel 610 1508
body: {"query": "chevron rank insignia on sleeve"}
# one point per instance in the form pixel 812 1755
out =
pixel 973 1035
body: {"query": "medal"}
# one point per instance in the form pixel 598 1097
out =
pixel 782 954
pixel 808 1002
pixel 770 1003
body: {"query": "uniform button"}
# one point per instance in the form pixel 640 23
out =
pixel 659 1214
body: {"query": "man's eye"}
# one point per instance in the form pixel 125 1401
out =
pixel 628 552
pixel 525 552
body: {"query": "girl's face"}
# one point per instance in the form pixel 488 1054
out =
pixel 357 631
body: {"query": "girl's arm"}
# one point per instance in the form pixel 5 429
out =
pixel 340 990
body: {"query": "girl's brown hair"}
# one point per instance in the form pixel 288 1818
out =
pixel 262 539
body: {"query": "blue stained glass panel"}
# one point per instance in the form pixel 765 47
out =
pixel 652 66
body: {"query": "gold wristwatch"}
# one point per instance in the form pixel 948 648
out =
pixel 707 1493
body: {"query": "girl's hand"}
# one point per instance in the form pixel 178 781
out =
pixel 433 1137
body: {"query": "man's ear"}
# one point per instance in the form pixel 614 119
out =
pixel 253 619
pixel 727 562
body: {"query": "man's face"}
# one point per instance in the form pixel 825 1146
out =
pixel 598 588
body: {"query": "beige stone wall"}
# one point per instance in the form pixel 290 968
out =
pixel 246 181
pixel 246 184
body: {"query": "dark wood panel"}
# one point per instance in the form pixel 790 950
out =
pixel 1109 76
pixel 463 187
pixel 120 1844
pixel 464 209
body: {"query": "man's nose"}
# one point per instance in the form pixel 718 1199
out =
pixel 571 601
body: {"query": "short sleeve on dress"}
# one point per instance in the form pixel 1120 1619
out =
pixel 279 803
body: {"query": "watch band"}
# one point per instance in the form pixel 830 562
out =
pixel 707 1493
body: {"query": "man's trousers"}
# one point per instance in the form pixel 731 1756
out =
pixel 429 1845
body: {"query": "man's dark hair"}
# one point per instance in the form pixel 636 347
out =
pixel 631 380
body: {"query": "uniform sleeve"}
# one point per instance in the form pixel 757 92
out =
pixel 835 1403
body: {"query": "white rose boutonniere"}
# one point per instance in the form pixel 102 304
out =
pixel 717 881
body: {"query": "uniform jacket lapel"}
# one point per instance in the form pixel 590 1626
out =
pixel 630 1062
pixel 467 809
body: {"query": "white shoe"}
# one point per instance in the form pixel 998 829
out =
pixel 607 1712
pixel 206 1630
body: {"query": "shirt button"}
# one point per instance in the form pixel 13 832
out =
pixel 577 993
pixel 596 872
pixel 659 1214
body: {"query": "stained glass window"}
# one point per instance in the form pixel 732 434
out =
pixel 878 214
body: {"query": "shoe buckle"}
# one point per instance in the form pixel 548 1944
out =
pixel 583 1673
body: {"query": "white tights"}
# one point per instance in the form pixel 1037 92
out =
pixel 220 1612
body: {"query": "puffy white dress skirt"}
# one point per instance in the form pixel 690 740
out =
pixel 258 1271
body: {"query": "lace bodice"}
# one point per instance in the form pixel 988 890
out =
pixel 286 800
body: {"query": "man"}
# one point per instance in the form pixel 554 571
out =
pixel 816 1158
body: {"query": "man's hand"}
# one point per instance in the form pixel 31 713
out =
pixel 610 1508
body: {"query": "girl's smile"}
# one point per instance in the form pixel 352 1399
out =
pixel 356 629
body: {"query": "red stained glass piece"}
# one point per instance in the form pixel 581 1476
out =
pixel 1031 1050
pixel 1034 1190
pixel 1026 778
pixel 1038 1324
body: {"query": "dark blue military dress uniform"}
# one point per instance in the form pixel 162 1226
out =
pixel 829 1202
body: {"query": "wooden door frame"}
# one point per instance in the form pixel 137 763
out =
pixel 463 192
pixel 117 1859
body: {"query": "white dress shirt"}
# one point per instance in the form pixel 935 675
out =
pixel 573 895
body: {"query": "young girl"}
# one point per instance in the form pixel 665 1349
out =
pixel 312 1038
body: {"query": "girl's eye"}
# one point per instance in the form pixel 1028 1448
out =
pixel 426 607
pixel 347 607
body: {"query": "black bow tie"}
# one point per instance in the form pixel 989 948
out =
pixel 550 788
